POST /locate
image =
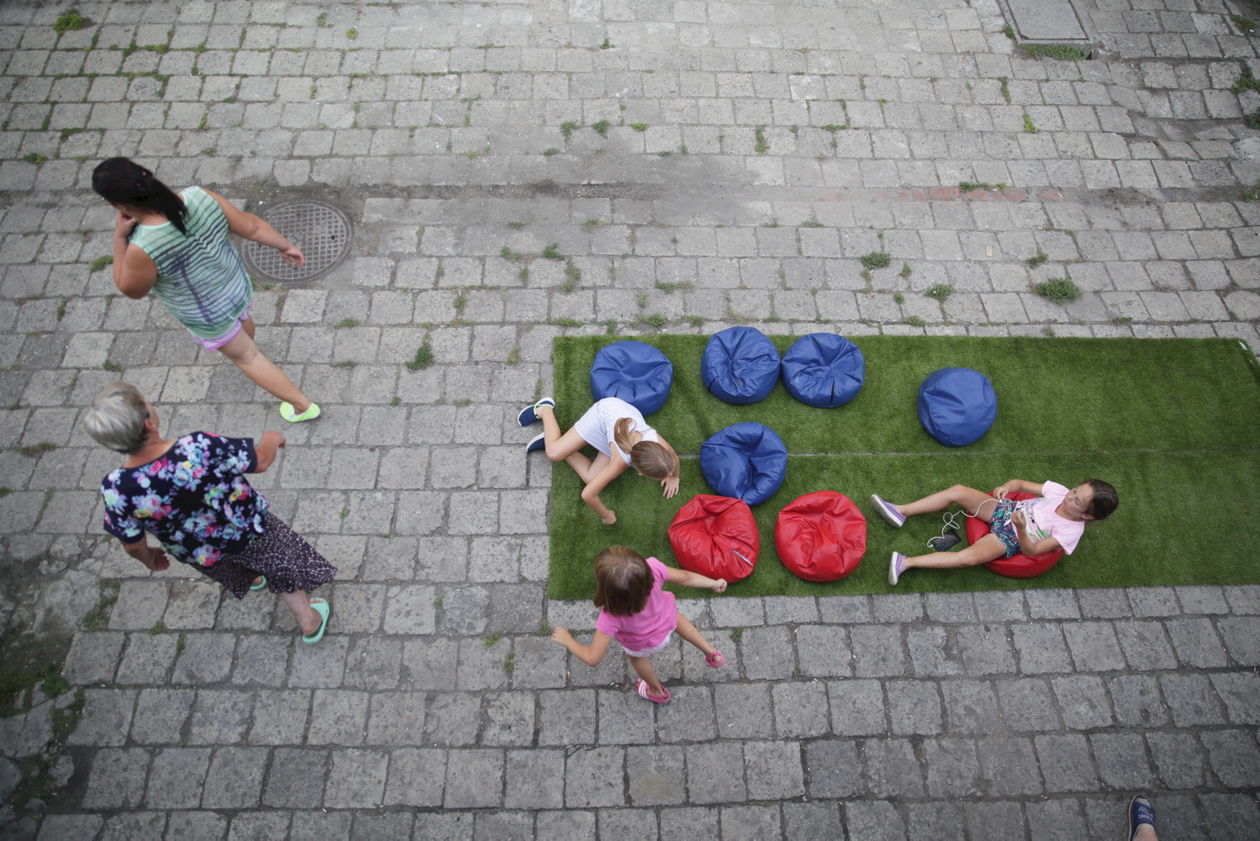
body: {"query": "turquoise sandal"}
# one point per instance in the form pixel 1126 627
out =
pixel 262 583
pixel 321 607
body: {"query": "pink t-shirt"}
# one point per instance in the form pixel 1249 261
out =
pixel 1043 522
pixel 649 627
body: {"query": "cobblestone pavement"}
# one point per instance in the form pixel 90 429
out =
pixel 691 165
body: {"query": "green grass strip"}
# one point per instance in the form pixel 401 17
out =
pixel 1174 424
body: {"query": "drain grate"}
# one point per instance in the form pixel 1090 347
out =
pixel 321 230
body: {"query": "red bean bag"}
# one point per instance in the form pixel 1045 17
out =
pixel 820 536
pixel 716 536
pixel 1016 566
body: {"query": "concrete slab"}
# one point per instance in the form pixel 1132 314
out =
pixel 1045 21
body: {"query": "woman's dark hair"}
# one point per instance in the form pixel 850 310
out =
pixel 1105 498
pixel 124 182
pixel 623 581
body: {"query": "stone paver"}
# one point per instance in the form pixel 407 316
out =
pixel 695 164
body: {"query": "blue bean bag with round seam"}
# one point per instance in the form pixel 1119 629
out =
pixel 823 370
pixel 636 372
pixel 746 461
pixel 957 406
pixel 740 365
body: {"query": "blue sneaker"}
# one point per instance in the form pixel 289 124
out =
pixel 538 442
pixel 1140 812
pixel 529 416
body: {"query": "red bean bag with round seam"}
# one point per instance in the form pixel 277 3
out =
pixel 1016 566
pixel 716 536
pixel 820 536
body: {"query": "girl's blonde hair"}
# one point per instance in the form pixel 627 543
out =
pixel 623 581
pixel 648 457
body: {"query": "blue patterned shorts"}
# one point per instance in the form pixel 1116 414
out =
pixel 1002 526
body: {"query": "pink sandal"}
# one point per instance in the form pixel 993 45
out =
pixel 714 660
pixel 645 692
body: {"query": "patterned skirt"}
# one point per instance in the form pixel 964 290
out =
pixel 1002 526
pixel 281 554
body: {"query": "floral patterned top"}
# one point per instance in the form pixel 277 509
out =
pixel 194 499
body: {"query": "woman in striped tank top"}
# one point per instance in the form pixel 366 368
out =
pixel 175 245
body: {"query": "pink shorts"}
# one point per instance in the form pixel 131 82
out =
pixel 237 326
pixel 648 652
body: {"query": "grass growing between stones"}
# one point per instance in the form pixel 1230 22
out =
pixel 1246 81
pixel 70 21
pixel 423 358
pixel 1059 52
pixel 1174 424
pixel 31 683
pixel 30 661
pixel 876 260
pixel 1061 289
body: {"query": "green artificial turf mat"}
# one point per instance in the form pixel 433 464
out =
pixel 1173 424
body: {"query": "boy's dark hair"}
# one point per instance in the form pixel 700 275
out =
pixel 1105 498
pixel 125 182
pixel 623 581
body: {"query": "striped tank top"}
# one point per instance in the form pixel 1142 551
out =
pixel 201 277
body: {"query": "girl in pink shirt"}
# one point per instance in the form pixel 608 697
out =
pixel 1055 519
pixel 640 615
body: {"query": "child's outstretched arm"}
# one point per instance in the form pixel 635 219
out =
pixel 591 654
pixel 669 485
pixel 590 493
pixel 687 578
pixel 1005 489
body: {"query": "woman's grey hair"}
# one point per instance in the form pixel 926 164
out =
pixel 116 419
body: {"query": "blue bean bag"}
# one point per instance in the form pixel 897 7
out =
pixel 746 461
pixel 957 406
pixel 637 373
pixel 740 365
pixel 823 370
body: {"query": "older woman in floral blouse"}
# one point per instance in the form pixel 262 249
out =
pixel 192 495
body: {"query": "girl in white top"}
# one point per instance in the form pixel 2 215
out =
pixel 617 430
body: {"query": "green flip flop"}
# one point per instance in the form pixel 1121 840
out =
pixel 287 412
pixel 321 607
pixel 262 582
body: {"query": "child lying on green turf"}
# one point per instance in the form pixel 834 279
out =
pixel 613 427
pixel 635 611
pixel 1055 519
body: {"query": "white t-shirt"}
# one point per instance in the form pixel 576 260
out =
pixel 596 426
pixel 1042 521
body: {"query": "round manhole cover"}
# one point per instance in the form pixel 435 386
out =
pixel 322 231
